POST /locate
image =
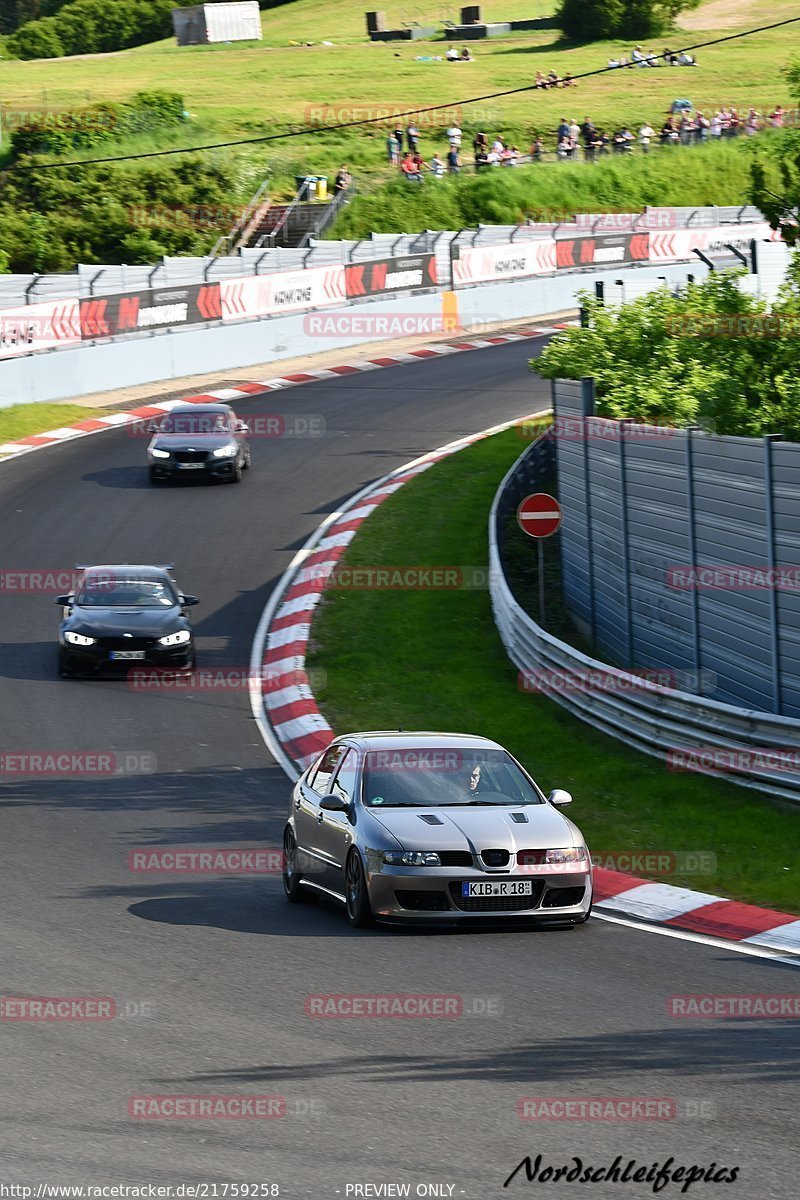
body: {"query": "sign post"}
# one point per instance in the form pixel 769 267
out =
pixel 540 515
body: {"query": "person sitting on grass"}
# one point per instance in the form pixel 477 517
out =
pixel 541 82
pixel 409 168
pixel 537 149
pixel 452 54
pixel 466 56
pixel 553 79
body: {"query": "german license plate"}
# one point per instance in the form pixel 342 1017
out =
pixel 497 887
pixel 126 654
pixel 191 466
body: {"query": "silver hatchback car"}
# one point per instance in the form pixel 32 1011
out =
pixel 433 828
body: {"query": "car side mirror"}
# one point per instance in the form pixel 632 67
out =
pixel 188 601
pixel 64 601
pixel 334 803
pixel 559 797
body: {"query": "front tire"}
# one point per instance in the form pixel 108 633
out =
pixel 63 670
pixel 236 477
pixel 359 911
pixel 155 478
pixel 295 892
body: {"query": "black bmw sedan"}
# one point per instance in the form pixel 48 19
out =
pixel 199 441
pixel 119 616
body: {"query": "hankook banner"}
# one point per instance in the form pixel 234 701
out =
pixel 383 275
pixel 159 308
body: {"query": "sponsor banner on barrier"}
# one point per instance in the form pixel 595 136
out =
pixel 383 275
pixel 509 261
pixel 602 249
pixel 158 308
pixel 251 296
pixel 713 241
pixel 39 327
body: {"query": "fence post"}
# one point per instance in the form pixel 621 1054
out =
pixel 692 543
pixel 626 576
pixel 772 592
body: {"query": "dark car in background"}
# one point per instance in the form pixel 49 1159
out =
pixel 122 617
pixel 199 441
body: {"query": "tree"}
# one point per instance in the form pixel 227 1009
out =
pixel 603 20
pixel 781 207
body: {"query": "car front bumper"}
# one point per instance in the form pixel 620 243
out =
pixel 434 897
pixel 96 660
pixel 212 468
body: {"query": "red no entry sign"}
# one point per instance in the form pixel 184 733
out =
pixel 539 515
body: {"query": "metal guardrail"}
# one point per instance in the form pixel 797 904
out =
pixel 645 716
pixel 99 280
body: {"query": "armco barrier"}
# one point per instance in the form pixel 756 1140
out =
pixel 162 355
pixel 656 720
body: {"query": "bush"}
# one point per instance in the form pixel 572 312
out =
pixel 147 112
pixel 649 365
pixel 92 27
pixel 604 20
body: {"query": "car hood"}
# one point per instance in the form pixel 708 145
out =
pixel 205 441
pixel 115 622
pixel 478 828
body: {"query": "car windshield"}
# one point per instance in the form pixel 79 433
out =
pixel 106 591
pixel 194 424
pixel 444 777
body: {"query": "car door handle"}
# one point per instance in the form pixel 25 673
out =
pixel 298 802
pixel 320 815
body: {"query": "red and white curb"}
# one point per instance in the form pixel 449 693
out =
pixel 92 425
pixel 295 731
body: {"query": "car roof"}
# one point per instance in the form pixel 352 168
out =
pixel 199 408
pixel 397 739
pixel 126 570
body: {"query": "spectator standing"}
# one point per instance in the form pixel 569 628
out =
pixel 574 134
pixel 454 136
pixel 393 149
pixel 453 160
pixel 398 133
pixel 437 167
pixel 563 130
pixel 480 142
pixel 412 138
pixel 537 149
pixel 343 180
pixel 646 132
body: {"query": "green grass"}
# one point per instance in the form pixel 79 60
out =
pixel 22 420
pixel 250 89
pixel 433 660
pixel 680 175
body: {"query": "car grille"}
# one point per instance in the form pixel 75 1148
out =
pixel 562 897
pixel 455 858
pixel 495 903
pixel 190 455
pixel 126 643
pixel 422 901
pixel 495 858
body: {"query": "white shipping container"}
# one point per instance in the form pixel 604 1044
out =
pixel 203 23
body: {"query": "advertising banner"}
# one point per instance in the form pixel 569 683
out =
pixel 603 249
pixel 679 243
pixel 159 308
pixel 285 291
pixel 508 261
pixel 384 275
pixel 39 327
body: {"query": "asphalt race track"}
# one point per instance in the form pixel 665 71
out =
pixel 214 971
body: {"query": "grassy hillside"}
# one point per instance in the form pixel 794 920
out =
pixel 252 90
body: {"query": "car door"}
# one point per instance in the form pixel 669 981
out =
pixel 307 814
pixel 336 829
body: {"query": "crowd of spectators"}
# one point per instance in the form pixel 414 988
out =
pixel 648 58
pixel 574 140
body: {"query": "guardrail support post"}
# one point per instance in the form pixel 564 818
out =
pixel 623 509
pixel 772 592
pixel 692 543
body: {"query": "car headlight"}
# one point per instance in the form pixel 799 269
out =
pixel 78 639
pixel 159 453
pixel 570 854
pixel 176 639
pixel 225 452
pixel 411 858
